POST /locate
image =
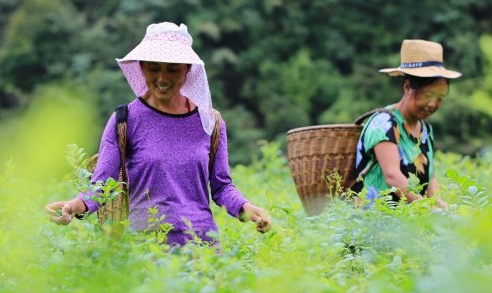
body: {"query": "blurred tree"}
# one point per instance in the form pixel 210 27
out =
pixel 30 55
pixel 7 7
pixel 274 64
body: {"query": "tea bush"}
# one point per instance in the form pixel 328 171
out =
pixel 414 248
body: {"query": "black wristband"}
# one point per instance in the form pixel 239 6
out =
pixel 82 216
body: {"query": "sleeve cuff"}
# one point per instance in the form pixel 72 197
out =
pixel 237 211
pixel 91 206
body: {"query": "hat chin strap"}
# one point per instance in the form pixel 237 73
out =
pixel 421 64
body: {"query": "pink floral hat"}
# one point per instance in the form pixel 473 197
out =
pixel 167 42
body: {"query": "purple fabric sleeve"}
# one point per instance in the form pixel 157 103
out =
pixel 224 193
pixel 108 162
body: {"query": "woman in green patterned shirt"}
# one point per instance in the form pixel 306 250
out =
pixel 395 149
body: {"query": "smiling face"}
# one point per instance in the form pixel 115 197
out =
pixel 164 80
pixel 426 100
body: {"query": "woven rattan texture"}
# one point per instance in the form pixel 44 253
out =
pixel 317 152
pixel 115 210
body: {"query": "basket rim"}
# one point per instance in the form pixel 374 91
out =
pixel 327 126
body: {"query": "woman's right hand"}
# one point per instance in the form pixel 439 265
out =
pixel 442 204
pixel 411 197
pixel 258 215
pixel 62 212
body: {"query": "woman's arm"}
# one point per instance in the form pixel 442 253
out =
pixel 224 193
pixel 108 162
pixel 62 212
pixel 389 160
pixel 431 191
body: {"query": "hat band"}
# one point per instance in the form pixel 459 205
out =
pixel 421 64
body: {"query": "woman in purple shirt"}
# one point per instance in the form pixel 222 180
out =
pixel 168 143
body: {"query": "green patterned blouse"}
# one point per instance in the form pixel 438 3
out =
pixel 416 153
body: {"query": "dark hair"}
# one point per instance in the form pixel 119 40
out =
pixel 417 82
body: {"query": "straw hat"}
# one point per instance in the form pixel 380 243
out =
pixel 167 42
pixel 421 58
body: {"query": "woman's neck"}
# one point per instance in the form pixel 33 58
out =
pixel 179 104
pixel 411 124
pixel 409 119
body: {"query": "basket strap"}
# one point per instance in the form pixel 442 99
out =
pixel 214 141
pixel 371 164
pixel 121 132
pixel 362 173
pixel 363 117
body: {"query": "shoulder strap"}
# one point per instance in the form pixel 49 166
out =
pixel 214 140
pixel 363 117
pixel 371 164
pixel 121 133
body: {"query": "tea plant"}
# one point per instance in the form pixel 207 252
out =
pixel 99 191
pixel 410 248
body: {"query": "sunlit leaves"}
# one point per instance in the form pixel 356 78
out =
pixel 344 249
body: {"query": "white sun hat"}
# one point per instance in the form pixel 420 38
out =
pixel 421 58
pixel 167 42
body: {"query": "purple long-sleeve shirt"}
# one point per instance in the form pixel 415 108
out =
pixel 167 164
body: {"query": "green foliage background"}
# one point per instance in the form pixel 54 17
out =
pixel 273 65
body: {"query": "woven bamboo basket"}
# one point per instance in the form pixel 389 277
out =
pixel 321 157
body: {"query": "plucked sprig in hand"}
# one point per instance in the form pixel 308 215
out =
pixel 76 158
pixel 102 191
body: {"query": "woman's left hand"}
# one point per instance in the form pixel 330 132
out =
pixel 442 204
pixel 258 215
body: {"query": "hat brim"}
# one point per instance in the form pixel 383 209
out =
pixel 429 71
pixel 174 52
